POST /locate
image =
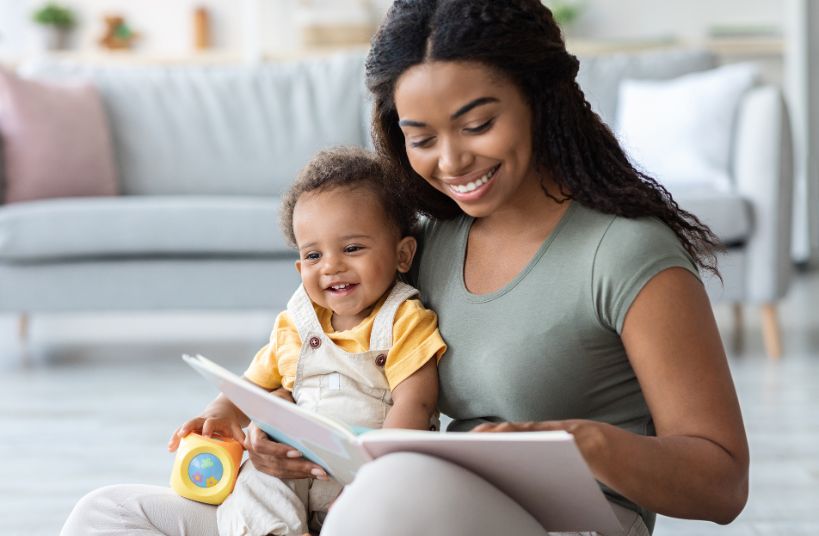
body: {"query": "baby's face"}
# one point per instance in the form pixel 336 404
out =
pixel 348 251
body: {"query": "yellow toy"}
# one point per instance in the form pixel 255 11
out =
pixel 205 468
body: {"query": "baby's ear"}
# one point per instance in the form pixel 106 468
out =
pixel 298 266
pixel 406 252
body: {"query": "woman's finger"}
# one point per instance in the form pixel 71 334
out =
pixel 288 469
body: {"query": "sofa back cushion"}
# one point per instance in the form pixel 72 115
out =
pixel 235 130
pixel 600 76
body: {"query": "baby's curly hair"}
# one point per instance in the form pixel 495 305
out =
pixel 349 167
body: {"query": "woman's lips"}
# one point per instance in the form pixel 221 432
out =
pixel 473 190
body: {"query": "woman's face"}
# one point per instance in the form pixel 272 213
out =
pixel 468 132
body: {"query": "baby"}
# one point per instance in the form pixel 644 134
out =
pixel 353 344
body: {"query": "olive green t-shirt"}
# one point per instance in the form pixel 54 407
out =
pixel 547 345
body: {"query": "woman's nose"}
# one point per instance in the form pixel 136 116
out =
pixel 454 159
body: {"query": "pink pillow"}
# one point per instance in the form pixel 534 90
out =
pixel 56 141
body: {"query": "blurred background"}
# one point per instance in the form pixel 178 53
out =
pixel 164 241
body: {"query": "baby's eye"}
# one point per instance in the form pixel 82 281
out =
pixel 483 127
pixel 353 248
pixel 312 256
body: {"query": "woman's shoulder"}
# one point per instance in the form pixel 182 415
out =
pixel 620 237
pixel 629 252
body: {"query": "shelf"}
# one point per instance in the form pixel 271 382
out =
pixel 210 57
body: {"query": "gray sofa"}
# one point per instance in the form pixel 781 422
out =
pixel 204 152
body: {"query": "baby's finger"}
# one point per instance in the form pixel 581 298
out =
pixel 212 427
pixel 193 425
pixel 188 427
pixel 237 433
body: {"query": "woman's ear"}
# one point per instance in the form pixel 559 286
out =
pixel 406 252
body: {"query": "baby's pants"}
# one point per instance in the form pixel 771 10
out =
pixel 400 494
pixel 262 504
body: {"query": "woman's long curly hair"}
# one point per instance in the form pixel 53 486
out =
pixel 570 143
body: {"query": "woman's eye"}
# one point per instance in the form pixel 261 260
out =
pixel 483 127
pixel 426 142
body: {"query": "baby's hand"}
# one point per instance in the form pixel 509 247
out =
pixel 208 426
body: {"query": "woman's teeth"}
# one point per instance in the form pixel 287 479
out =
pixel 471 186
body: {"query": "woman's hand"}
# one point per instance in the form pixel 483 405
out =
pixel 279 460
pixel 591 437
pixel 208 425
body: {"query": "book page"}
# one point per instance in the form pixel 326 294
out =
pixel 320 439
pixel 542 471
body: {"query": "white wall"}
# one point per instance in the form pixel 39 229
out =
pixel 166 24
pixel 686 19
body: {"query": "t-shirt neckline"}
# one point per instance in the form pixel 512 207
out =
pixel 490 296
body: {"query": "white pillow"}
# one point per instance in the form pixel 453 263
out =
pixel 679 131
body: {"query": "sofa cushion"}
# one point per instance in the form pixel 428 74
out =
pixel 56 140
pixel 728 214
pixel 680 131
pixel 140 226
pixel 213 130
pixel 600 76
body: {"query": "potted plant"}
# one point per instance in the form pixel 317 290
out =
pixel 565 12
pixel 56 22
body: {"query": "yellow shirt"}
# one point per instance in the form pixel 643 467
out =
pixel 415 340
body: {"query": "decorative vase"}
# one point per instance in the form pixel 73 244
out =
pixel 52 38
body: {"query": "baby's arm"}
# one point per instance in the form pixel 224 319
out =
pixel 415 399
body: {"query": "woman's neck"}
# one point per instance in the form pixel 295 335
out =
pixel 532 213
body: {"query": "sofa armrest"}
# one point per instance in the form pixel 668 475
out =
pixel 763 174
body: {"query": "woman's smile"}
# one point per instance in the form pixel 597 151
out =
pixel 472 186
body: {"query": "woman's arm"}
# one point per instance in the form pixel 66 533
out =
pixel 414 399
pixel 697 465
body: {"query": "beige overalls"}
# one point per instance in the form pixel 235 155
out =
pixel 350 387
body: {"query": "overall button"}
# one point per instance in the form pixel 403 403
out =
pixel 315 342
pixel 381 359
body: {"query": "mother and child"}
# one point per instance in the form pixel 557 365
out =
pixel 566 285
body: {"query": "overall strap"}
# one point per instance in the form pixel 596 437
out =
pixel 301 311
pixel 381 336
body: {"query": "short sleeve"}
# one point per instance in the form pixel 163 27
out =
pixel 416 340
pixel 630 253
pixel 273 360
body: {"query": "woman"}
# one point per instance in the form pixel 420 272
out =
pixel 565 281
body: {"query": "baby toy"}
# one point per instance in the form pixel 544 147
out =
pixel 205 468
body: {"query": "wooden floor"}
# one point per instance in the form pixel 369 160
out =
pixel 100 396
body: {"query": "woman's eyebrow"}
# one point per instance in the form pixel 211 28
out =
pixel 480 101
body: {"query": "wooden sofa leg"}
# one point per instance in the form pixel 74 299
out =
pixel 22 328
pixel 771 331
pixel 738 336
pixel 23 325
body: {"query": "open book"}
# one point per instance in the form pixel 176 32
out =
pixel 542 471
